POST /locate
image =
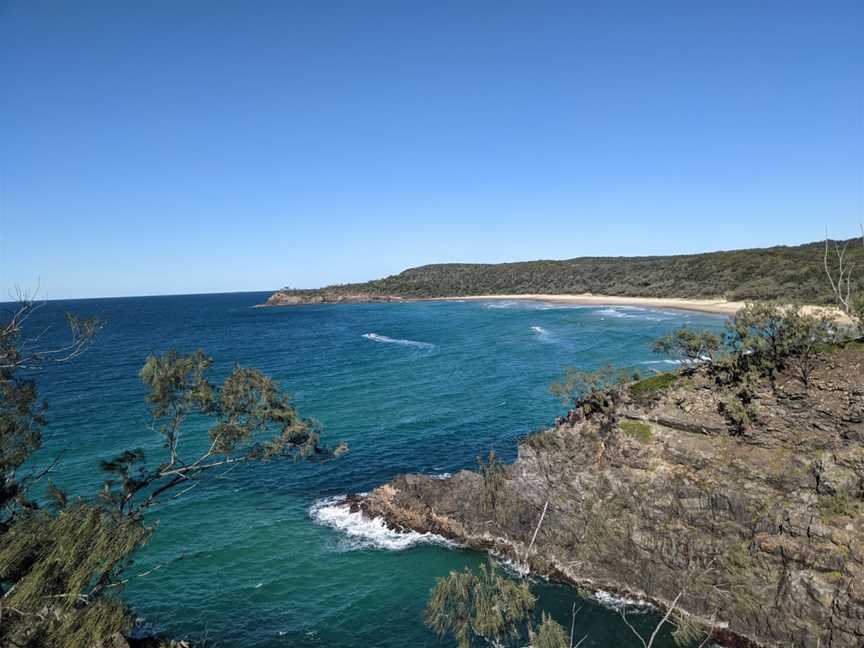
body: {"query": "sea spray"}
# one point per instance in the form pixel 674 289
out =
pixel 367 533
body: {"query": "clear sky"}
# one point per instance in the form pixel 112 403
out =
pixel 172 147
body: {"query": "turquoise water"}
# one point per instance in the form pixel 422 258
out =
pixel 257 558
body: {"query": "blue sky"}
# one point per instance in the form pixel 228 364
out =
pixel 172 147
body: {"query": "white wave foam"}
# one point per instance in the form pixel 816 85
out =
pixel 542 334
pixel 367 533
pixel 388 340
pixel 615 602
pixel 525 304
pixel 637 312
pixel 442 476
pixel 514 567
pixel 653 362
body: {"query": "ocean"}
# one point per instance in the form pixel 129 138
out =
pixel 260 557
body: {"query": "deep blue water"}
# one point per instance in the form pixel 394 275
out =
pixel 436 384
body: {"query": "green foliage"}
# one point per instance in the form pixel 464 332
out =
pixel 21 421
pixel 247 406
pixel 550 635
pixel 637 429
pixel 740 412
pixel 543 440
pixel 60 566
pixel 250 419
pixel 493 493
pixel 840 345
pixel 651 387
pixel 757 274
pixel 22 415
pixel 742 579
pixel 687 630
pixel 766 338
pixel 91 624
pixel 856 312
pixel 839 504
pixel 485 605
pixel 588 390
pixel 690 347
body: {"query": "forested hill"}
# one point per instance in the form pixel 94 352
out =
pixel 787 272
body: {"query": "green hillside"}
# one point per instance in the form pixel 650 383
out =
pixel 787 272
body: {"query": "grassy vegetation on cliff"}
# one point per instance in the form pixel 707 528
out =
pixel 782 272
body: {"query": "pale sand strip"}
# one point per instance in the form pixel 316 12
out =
pixel 719 306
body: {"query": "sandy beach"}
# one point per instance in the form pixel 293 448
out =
pixel 718 306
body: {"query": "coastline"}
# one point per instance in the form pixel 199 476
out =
pixel 715 306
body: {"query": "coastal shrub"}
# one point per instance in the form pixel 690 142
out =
pixel 588 390
pixel 690 347
pixel 550 634
pixel 482 604
pixel 543 440
pixel 639 430
pixel 766 338
pixel 840 345
pixel 857 314
pixel 649 388
pixel 493 491
pixel 739 411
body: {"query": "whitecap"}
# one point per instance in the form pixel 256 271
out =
pixel 388 340
pixel 364 532
pixel 542 334
pixel 636 312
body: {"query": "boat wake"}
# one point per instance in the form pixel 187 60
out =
pixel 388 340
pixel 367 533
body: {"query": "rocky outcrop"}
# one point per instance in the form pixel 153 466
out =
pixel 300 297
pixel 760 527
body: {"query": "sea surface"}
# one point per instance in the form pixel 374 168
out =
pixel 260 557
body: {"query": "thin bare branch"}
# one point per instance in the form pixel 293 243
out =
pixel 536 531
pixel 669 611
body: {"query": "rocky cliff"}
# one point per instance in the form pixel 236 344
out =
pixel 759 524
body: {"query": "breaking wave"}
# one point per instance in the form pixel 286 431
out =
pixel 639 313
pixel 526 304
pixel 541 334
pixel 388 340
pixel 616 602
pixel 367 533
